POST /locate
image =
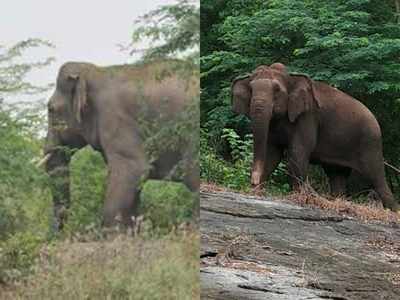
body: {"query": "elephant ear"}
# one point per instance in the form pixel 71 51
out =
pixel 241 95
pixel 79 100
pixel 302 96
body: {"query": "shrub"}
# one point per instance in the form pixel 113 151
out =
pixel 235 174
pixel 88 183
pixel 166 204
pixel 18 254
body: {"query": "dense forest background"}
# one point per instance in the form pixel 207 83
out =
pixel 34 260
pixel 353 45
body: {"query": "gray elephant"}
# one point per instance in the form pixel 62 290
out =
pixel 110 108
pixel 314 123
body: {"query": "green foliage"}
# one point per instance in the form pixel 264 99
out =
pixel 163 134
pixel 278 182
pixel 241 149
pixel 88 183
pixel 18 254
pixel 13 73
pixel 352 45
pixel 212 168
pixel 172 30
pixel 235 174
pixel 166 204
pixel 25 202
pixel 18 206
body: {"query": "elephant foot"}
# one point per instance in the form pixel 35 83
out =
pixel 257 173
pixel 392 205
pixel 60 217
pixel 256 178
pixel 395 207
pixel 118 220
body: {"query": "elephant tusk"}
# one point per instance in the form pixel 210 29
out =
pixel 43 160
pixel 391 166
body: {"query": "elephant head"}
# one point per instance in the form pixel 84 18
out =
pixel 67 105
pixel 65 118
pixel 270 92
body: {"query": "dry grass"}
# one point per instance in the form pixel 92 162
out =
pixel 212 187
pixel 308 197
pixel 229 256
pixel 121 268
pixel 385 244
pixel 372 211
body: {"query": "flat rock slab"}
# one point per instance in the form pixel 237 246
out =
pixel 260 248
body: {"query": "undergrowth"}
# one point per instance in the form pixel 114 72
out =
pixel 121 267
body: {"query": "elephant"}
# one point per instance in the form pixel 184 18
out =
pixel 106 107
pixel 310 122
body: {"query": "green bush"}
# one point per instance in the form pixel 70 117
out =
pixel 25 202
pixel 235 174
pixel 88 184
pixel 18 254
pixel 166 204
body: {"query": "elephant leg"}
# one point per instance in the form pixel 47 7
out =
pixel 298 162
pixel 382 189
pixel 338 185
pixel 192 181
pixel 374 171
pixel 191 178
pixel 273 158
pixel 123 190
pixel 165 168
pixel 302 143
pixel 337 179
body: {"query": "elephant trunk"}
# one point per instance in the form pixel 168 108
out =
pixel 57 166
pixel 261 114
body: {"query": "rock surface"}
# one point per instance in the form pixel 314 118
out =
pixel 260 248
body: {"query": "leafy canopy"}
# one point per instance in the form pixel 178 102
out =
pixel 172 30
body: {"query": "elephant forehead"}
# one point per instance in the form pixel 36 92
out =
pixel 268 73
pixel 261 83
pixel 68 68
pixel 73 68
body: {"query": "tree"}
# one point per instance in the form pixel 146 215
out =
pixel 13 73
pixel 20 181
pixel 172 30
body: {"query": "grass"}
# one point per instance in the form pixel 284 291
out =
pixel 308 197
pixel 119 268
pixel 369 211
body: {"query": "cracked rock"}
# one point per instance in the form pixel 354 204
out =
pixel 260 248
